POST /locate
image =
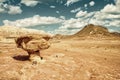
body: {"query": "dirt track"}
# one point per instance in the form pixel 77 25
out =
pixel 64 60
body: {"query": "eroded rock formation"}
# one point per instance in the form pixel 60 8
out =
pixel 33 46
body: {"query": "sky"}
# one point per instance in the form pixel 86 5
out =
pixel 60 16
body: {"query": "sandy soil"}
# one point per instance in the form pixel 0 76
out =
pixel 64 60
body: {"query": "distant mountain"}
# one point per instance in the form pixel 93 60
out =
pixel 91 30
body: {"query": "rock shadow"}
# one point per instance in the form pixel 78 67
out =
pixel 21 57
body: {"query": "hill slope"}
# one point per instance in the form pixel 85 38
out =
pixel 95 31
pixel 92 32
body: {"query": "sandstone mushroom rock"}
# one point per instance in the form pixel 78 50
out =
pixel 33 46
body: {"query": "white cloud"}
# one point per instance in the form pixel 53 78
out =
pixel 57 12
pixel 106 19
pixel 69 2
pixel 111 11
pixel 81 13
pixel 6 6
pixel 1 10
pixel 65 31
pixel 70 26
pixel 85 5
pixel 52 6
pixel 110 8
pixel 118 4
pixel 115 23
pixel 14 10
pixel 10 9
pixel 75 10
pixel 109 17
pixel 30 3
pixel 73 23
pixel 92 3
pixel 33 21
pixel 62 17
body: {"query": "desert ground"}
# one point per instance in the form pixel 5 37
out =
pixel 66 59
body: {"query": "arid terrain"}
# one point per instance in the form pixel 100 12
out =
pixel 71 58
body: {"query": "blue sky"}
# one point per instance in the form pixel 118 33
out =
pixel 60 16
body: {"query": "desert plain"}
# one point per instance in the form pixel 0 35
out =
pixel 71 58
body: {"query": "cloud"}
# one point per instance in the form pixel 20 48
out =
pixel 106 19
pixel 57 12
pixel 111 12
pixel 118 4
pixel 81 13
pixel 52 6
pixel 64 31
pixel 73 23
pixel 69 2
pixel 70 26
pixel 109 17
pixel 33 21
pixel 85 5
pixel 62 17
pixel 30 3
pixel 10 9
pixel 75 10
pixel 1 10
pixel 14 10
pixel 92 3
pixel 115 23
pixel 110 8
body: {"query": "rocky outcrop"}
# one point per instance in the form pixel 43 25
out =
pixel 33 46
pixel 30 40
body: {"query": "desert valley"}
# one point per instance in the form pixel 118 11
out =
pixel 90 54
